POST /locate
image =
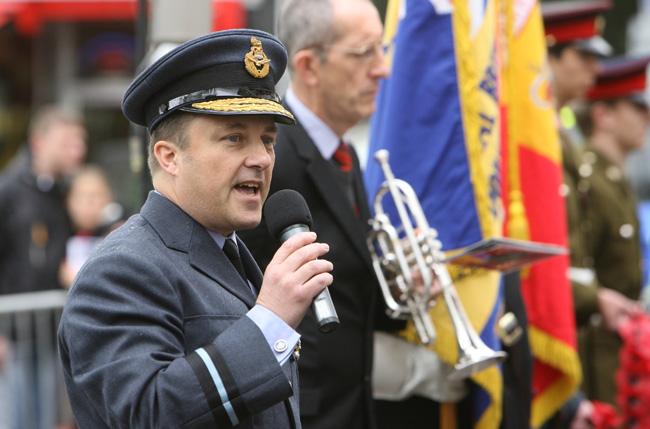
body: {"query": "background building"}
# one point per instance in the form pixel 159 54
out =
pixel 83 54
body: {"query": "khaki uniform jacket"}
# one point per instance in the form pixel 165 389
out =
pixel 581 273
pixel 603 211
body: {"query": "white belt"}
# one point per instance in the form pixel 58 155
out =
pixel 583 276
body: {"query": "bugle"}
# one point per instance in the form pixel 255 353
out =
pixel 407 262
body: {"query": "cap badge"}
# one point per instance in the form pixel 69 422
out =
pixel 256 61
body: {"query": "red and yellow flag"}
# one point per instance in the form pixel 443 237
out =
pixel 535 209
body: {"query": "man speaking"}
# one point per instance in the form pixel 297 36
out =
pixel 170 323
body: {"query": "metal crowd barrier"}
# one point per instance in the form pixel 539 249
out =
pixel 32 393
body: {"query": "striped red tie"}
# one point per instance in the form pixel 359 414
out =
pixel 343 157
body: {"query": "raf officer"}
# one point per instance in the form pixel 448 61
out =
pixel 171 323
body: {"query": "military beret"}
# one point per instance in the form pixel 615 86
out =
pixel 577 23
pixel 621 78
pixel 232 72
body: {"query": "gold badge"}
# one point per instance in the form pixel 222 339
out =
pixel 256 61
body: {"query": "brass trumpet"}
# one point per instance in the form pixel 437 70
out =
pixel 396 259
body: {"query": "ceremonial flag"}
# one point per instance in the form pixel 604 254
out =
pixel 438 116
pixel 535 210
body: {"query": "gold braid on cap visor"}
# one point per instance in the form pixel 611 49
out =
pixel 243 105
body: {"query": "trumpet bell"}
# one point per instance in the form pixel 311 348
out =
pixel 476 360
pixel 396 257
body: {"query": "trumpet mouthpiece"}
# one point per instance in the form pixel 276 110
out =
pixel 381 155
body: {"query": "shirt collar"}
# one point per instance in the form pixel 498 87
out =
pixel 221 239
pixel 218 238
pixel 323 137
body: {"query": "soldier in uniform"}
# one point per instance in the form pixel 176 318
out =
pixel 615 122
pixel 574 49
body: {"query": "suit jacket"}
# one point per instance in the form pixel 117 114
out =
pixel 154 333
pixel 335 368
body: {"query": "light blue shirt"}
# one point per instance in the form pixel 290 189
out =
pixel 282 339
pixel 323 137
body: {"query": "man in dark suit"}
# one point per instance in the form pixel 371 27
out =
pixel 163 328
pixel 334 83
pixel 336 60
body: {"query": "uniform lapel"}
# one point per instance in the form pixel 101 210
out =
pixel 321 172
pixel 180 232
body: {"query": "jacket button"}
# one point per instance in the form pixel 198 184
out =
pixel 280 346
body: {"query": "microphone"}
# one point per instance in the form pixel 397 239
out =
pixel 286 214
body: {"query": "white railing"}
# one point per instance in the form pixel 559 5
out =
pixel 32 394
pixel 32 301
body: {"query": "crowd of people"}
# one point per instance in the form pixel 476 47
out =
pixel 191 313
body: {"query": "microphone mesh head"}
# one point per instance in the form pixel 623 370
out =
pixel 283 209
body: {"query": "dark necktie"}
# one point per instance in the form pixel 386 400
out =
pixel 231 251
pixel 343 157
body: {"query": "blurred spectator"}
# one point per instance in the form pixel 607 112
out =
pixel 33 236
pixel 93 214
pixel 35 225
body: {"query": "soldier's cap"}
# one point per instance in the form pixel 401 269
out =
pixel 622 77
pixel 232 72
pixel 576 23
